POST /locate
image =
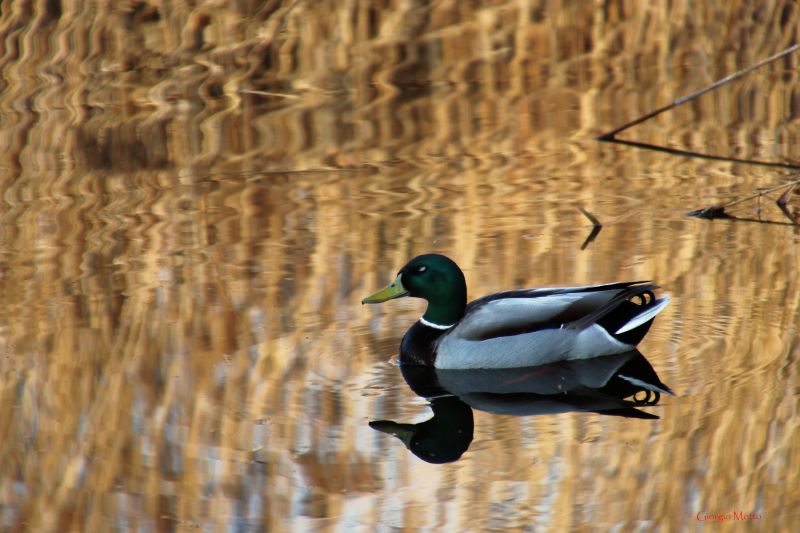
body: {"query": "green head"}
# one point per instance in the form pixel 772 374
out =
pixel 434 278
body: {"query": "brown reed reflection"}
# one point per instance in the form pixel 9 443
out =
pixel 195 195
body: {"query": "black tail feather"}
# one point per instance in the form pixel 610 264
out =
pixel 620 309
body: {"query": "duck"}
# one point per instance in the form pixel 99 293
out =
pixel 520 327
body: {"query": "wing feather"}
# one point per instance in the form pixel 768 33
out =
pixel 515 312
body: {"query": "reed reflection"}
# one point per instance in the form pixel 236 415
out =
pixel 615 385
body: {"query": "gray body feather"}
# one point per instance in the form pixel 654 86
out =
pixel 541 326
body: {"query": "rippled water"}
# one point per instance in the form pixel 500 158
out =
pixel 195 198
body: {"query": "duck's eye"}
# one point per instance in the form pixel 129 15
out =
pixel 421 269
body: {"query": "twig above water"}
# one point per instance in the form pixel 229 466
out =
pixel 783 204
pixel 596 227
pixel 722 211
pixel 699 155
pixel 610 136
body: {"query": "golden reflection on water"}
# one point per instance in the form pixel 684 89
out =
pixel 196 197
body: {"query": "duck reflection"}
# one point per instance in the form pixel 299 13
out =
pixel 615 385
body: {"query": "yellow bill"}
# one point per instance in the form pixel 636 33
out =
pixel 394 290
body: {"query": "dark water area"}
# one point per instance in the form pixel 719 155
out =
pixel 196 197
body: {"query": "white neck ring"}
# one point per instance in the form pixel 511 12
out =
pixel 434 326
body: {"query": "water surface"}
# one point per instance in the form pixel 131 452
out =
pixel 195 200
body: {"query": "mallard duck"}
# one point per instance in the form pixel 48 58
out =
pixel 516 328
